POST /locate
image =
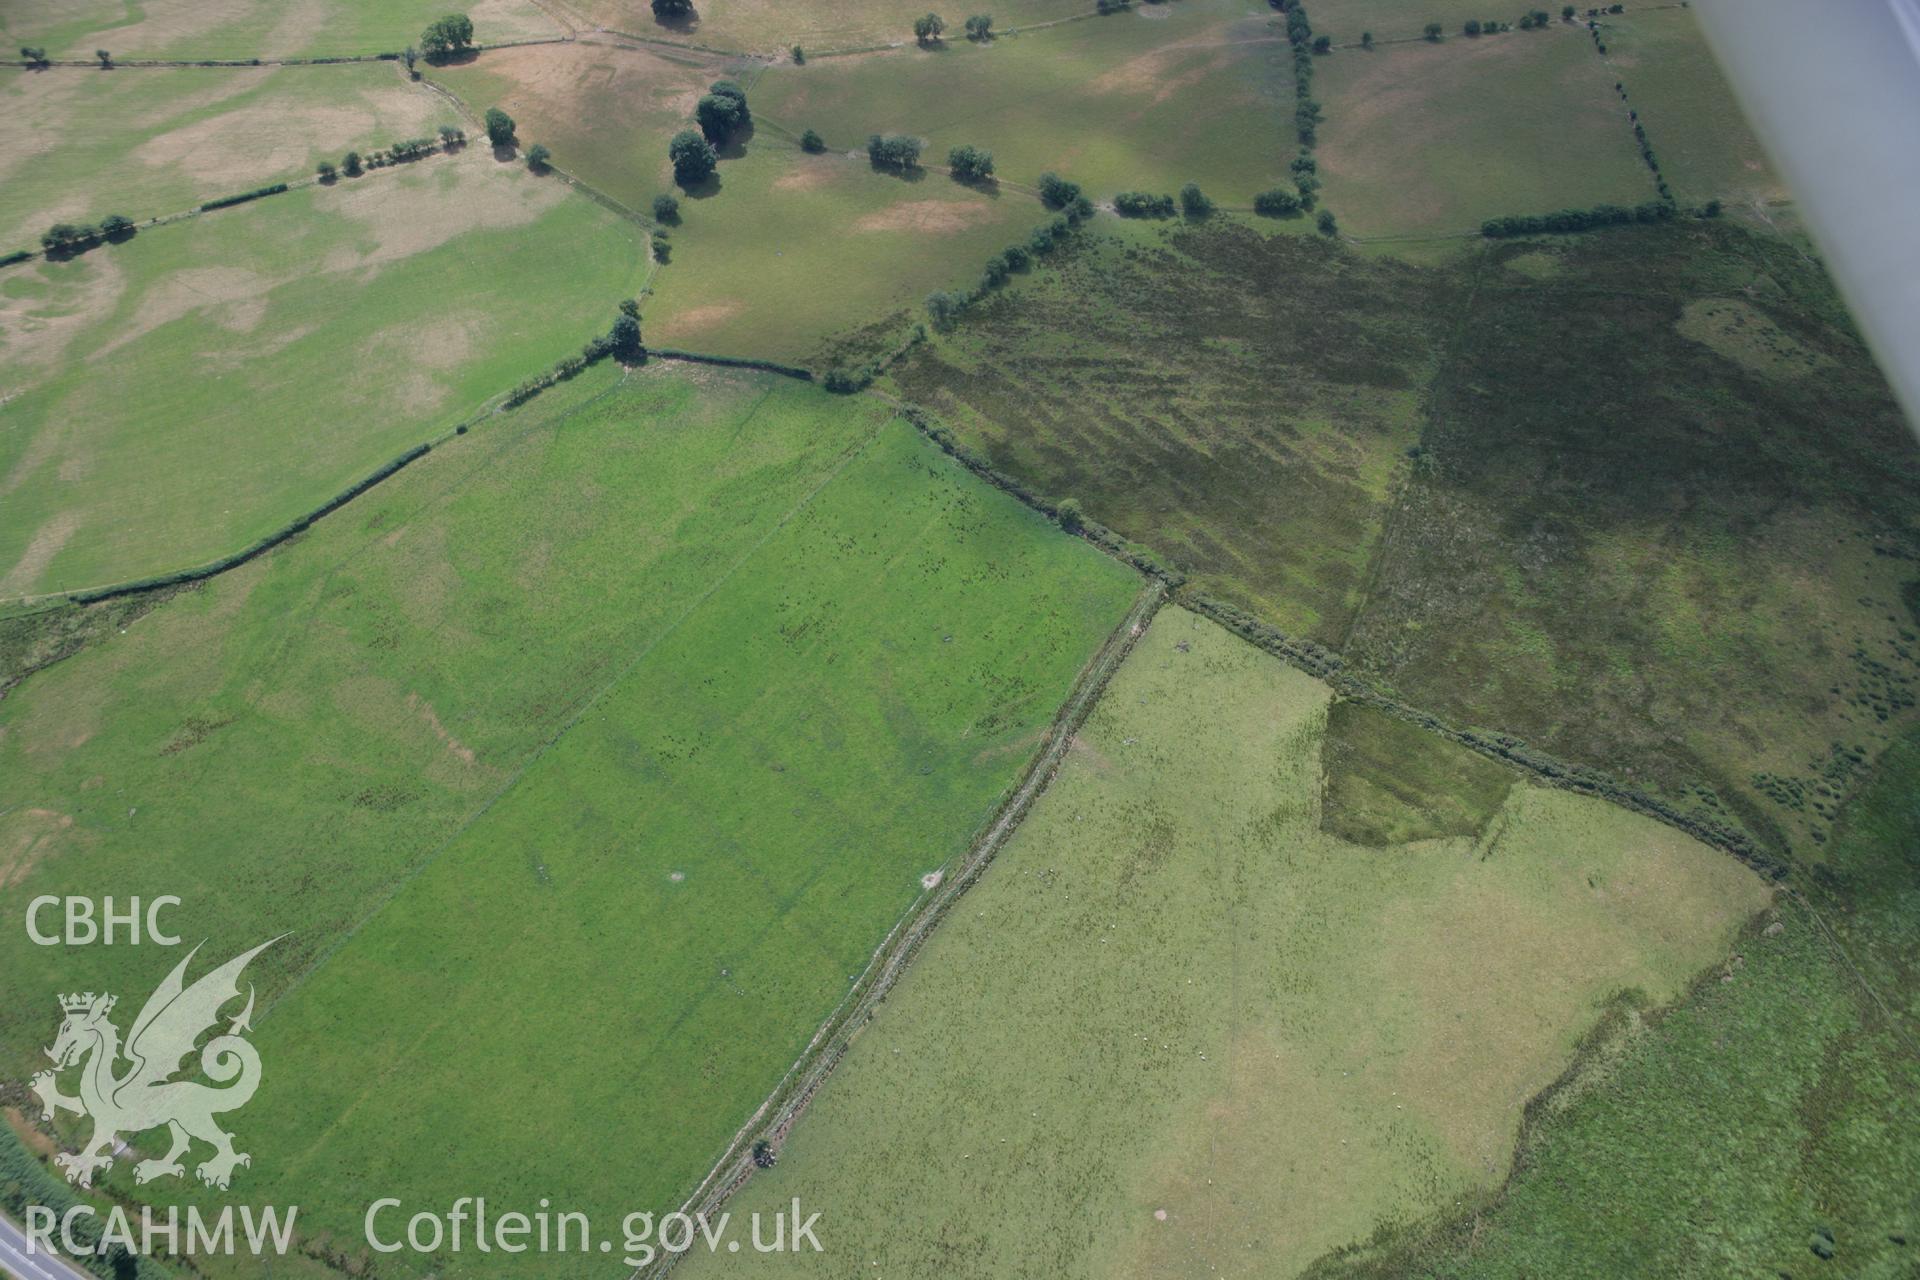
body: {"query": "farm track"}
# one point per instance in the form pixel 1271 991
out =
pixel 784 1106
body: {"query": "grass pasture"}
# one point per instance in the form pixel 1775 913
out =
pixel 1696 126
pixel 1215 1040
pixel 656 770
pixel 769 27
pixel 795 253
pixel 239 29
pixel 564 94
pixel 147 143
pixel 1142 100
pixel 175 397
pixel 783 255
pixel 1426 138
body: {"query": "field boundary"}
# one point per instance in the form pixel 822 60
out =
pixel 775 1117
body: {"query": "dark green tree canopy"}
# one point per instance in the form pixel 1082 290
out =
pixel 447 37
pixel 970 164
pixel 694 159
pixel 500 127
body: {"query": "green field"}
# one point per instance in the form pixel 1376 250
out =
pixel 1143 100
pixel 238 29
pixel 785 255
pixel 655 771
pixel 1178 1030
pixel 150 143
pixel 795 254
pixel 1706 148
pixel 1436 138
pixel 170 399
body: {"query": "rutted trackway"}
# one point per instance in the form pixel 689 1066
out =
pixel 790 1098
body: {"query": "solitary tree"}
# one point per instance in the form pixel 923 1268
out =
pixel 927 28
pixel 326 171
pixel 944 307
pixel 1323 44
pixel 33 55
pixel 350 164
pixel 499 127
pixel 1326 223
pixel 1566 12
pixel 693 158
pixel 970 164
pixel 666 208
pixel 1276 203
pixel 980 27
pixel 624 338
pixel 1194 202
pixel 1473 27
pixel 539 159
pixel 812 142
pixel 1056 192
pixel 1433 31
pixel 452 136
pixel 447 37
pixel 1072 519
pixel 410 56
pixel 117 227
pixel 106 59
pixel 672 8
pixel 895 151
pixel 799 56
pixel 1366 39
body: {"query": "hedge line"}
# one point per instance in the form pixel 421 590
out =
pixel 1107 540
pixel 732 362
pixel 18 255
pixel 255 194
pixel 262 545
pixel 1325 664
pixel 25 1181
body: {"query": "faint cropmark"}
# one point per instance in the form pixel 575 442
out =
pixel 144 1096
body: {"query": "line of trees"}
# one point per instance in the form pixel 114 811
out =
pixel 946 306
pixel 1565 221
pixel 353 164
pixel 622 341
pixel 65 239
pixel 927 29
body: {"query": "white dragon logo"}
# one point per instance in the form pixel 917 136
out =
pixel 142 1098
